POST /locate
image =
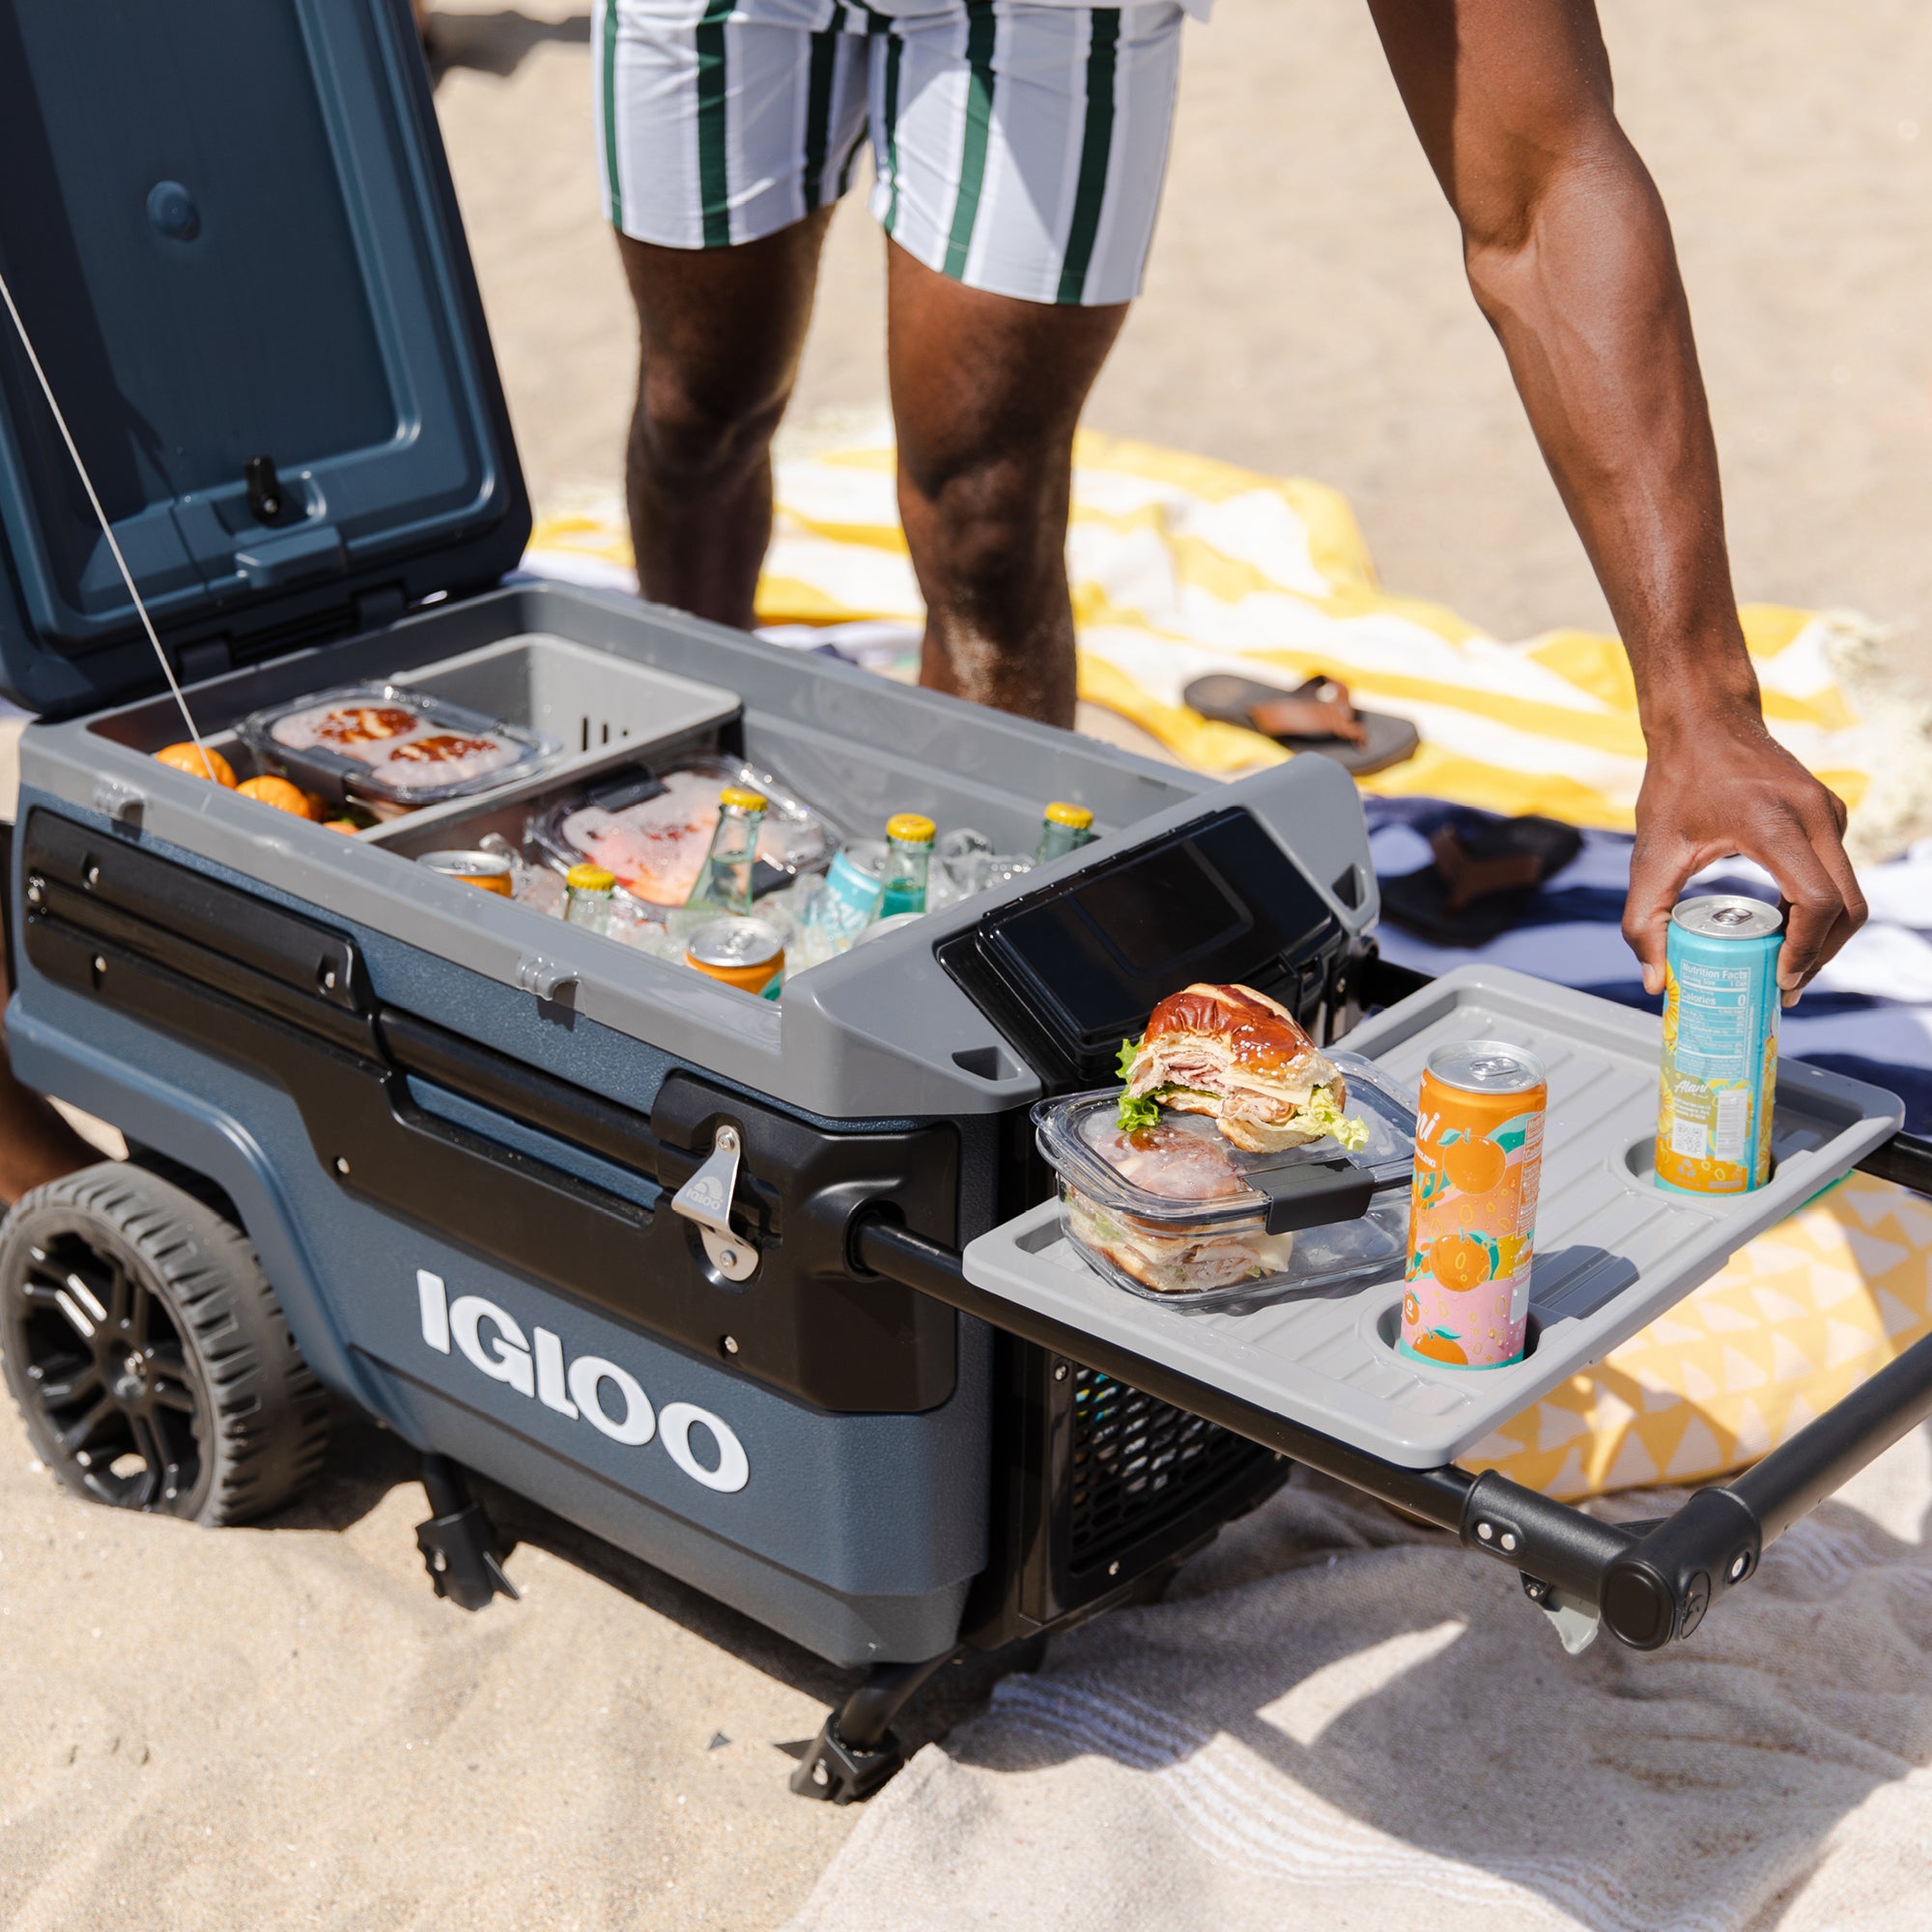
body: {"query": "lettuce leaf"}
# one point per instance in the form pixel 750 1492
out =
pixel 1323 1114
pixel 1134 1115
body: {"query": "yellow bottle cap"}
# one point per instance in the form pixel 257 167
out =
pixel 589 879
pixel 742 798
pixel 1059 813
pixel 910 828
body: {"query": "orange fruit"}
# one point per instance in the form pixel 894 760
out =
pixel 1459 1262
pixel 1475 1166
pixel 282 795
pixel 1412 1311
pixel 185 758
pixel 1439 1349
pixel 347 825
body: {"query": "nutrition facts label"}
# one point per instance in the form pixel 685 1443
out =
pixel 1716 1025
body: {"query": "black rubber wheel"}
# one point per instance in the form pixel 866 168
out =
pixel 147 1353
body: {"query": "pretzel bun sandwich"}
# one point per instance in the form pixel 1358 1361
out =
pixel 1237 1056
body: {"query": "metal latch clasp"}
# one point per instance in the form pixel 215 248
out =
pixel 706 1198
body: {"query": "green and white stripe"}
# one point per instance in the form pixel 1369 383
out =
pixel 981 34
pixel 1019 145
pixel 1097 148
pixel 714 171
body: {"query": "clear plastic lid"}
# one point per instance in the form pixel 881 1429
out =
pixel 1181 1171
pixel 392 745
pixel 654 830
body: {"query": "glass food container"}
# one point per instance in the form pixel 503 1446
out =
pixel 1174 1213
pixel 392 746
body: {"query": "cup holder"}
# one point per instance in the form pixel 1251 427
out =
pixel 1640 1160
pixel 1639 1164
pixel 1388 1332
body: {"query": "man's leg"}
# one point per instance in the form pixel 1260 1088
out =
pixel 1020 156
pixel 720 333
pixel 726 138
pixel 987 391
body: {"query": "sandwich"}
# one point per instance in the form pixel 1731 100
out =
pixel 1237 1056
pixel 1175 1264
pixel 1189 1169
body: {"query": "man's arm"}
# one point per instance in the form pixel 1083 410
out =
pixel 1570 256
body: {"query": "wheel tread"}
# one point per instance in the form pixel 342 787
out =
pixel 269 1415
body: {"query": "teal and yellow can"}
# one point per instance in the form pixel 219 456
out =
pixel 1721 1007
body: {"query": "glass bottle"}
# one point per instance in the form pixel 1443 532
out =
pixel 1064 828
pixel 909 839
pixel 590 892
pixel 724 882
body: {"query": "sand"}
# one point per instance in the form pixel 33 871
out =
pixel 281 1726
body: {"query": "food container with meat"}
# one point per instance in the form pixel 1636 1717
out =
pixel 1168 1208
pixel 392 746
pixel 652 830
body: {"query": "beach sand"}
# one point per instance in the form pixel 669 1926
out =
pixel 281 1726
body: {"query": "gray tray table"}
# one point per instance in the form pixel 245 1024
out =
pixel 1613 1251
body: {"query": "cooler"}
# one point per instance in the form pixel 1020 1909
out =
pixel 679 1263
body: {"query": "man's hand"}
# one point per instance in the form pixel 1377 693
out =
pixel 1570 257
pixel 1718 785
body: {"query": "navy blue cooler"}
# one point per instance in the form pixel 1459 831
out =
pixel 452 1128
pixel 770 1295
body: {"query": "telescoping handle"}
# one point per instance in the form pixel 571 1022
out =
pixel 1647 1584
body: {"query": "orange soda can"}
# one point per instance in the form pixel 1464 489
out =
pixel 486 872
pixel 1472 1205
pixel 743 952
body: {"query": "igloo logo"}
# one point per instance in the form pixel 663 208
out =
pixel 586 1389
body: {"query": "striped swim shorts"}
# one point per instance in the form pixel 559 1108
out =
pixel 1018 146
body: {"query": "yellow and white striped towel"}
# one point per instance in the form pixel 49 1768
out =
pixel 1181 565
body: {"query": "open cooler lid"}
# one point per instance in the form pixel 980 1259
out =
pixel 231 232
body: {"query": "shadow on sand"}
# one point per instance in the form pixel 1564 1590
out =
pixel 366 1463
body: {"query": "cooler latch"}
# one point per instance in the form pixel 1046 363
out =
pixel 706 1200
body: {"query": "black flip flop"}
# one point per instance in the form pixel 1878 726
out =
pixel 1232 700
pixel 1484 879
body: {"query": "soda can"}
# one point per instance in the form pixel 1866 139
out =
pixel 1472 1205
pixel 745 952
pixel 1721 1008
pixel 486 872
pixel 847 901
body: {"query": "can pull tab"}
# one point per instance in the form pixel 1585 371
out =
pixel 706 1198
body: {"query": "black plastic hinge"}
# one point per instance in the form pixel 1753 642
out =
pixel 267 496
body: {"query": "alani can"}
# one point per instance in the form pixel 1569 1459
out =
pixel 1472 1205
pixel 1721 1007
